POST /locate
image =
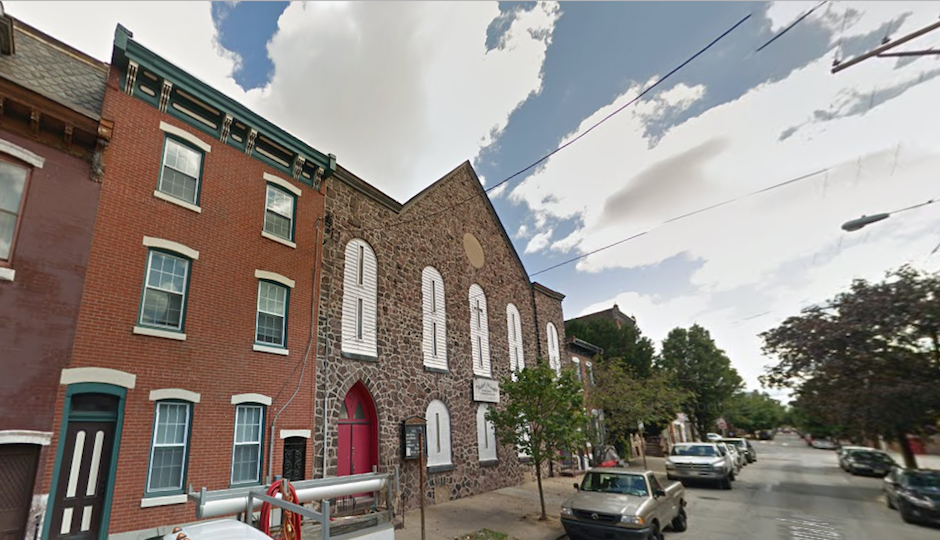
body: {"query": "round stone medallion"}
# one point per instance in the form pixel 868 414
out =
pixel 473 250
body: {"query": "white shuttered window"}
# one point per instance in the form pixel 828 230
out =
pixel 514 329
pixel 479 333
pixel 435 319
pixel 359 300
pixel 438 430
pixel 486 435
pixel 554 357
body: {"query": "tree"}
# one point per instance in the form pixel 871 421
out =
pixel 753 411
pixel 703 371
pixel 627 399
pixel 541 414
pixel 868 363
pixel 624 344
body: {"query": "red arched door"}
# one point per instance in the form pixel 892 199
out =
pixel 358 448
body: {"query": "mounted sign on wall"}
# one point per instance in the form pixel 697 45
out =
pixel 413 434
pixel 486 390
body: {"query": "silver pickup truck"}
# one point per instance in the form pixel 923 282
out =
pixel 623 504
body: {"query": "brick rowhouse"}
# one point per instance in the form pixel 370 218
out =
pixel 208 234
pixel 51 132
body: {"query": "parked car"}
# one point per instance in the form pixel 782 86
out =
pixel 700 461
pixel 621 503
pixel 711 437
pixel 744 447
pixel 824 443
pixel 736 458
pixel 915 493
pixel 843 451
pixel 869 462
pixel 765 435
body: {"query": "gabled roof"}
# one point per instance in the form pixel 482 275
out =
pixel 547 292
pixel 613 313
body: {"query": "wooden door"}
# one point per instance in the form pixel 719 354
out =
pixel 358 433
pixel 17 474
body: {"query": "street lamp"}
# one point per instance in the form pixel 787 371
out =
pixel 856 224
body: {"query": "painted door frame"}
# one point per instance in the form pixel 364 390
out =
pixel 70 391
pixel 360 388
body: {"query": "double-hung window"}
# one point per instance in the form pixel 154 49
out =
pixel 12 196
pixel 169 449
pixel 272 314
pixel 246 453
pixel 279 213
pixel 165 290
pixel 182 169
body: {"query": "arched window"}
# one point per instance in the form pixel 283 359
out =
pixel 486 435
pixel 359 300
pixel 479 332
pixel 435 319
pixel 514 329
pixel 554 357
pixel 438 420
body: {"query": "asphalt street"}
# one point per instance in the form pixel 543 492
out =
pixel 796 492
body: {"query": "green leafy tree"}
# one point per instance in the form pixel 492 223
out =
pixel 627 400
pixel 703 371
pixel 868 362
pixel 625 345
pixel 752 411
pixel 541 414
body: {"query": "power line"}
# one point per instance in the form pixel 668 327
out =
pixel 575 139
pixel 680 217
pixel 794 23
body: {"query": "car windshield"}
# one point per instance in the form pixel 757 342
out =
pixel 925 479
pixel 624 484
pixel 705 451
pixel 871 456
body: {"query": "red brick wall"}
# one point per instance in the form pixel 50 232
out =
pixel 38 310
pixel 216 359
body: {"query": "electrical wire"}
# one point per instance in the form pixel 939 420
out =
pixel 581 135
pixel 794 23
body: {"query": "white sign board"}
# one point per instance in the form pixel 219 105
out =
pixel 486 390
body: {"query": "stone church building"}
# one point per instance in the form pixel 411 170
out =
pixel 423 307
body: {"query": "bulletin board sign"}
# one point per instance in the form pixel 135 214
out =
pixel 411 428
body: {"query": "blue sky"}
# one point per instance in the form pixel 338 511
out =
pixel 404 92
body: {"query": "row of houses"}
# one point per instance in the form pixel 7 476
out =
pixel 191 296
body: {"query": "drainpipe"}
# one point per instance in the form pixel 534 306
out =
pixel 313 312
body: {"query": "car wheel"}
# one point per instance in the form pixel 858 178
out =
pixel 906 514
pixel 732 477
pixel 726 483
pixel 889 502
pixel 681 522
pixel 655 533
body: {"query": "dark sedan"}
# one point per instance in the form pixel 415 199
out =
pixel 869 463
pixel 915 493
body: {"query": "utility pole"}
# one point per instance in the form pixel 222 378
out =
pixel 882 51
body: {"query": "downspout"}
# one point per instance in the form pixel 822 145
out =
pixel 313 311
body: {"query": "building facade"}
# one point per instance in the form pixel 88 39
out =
pixel 51 134
pixel 425 305
pixel 193 360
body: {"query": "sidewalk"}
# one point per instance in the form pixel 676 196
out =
pixel 924 461
pixel 511 510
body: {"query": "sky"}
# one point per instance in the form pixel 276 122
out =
pixel 404 92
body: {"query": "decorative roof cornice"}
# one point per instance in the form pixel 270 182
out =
pixel 547 292
pixel 155 80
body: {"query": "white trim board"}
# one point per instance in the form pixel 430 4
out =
pixel 21 153
pixel 283 183
pixel 175 393
pixel 186 136
pixel 238 399
pixel 150 502
pixel 305 433
pixel 27 436
pixel 98 375
pixel 169 245
pixel 7 274
pixel 273 276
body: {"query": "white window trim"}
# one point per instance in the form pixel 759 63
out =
pixel 21 154
pixel 169 245
pixel 278 278
pixel 262 399
pixel 175 393
pixel 150 502
pixel 577 366
pixel 286 433
pixel 7 274
pixel 98 375
pixel 284 184
pixel 449 452
pixel 186 136
pixel 25 436
pixel 186 445
pixel 156 332
pixel 278 239
pixel 236 444
pixel 257 347
pixel 179 202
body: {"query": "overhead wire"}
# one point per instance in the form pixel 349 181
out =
pixel 790 27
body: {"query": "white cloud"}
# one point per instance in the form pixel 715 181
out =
pixel 538 242
pixel 498 191
pixel 401 92
pixel 523 231
pixel 775 252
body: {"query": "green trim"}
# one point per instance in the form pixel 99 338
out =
pixel 125 48
pixel 264 419
pixel 286 315
pixel 293 219
pixel 189 438
pixel 143 292
pixel 67 416
pixel 202 166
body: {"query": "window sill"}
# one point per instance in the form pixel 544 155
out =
pixel 356 356
pixel 166 500
pixel 7 274
pixel 441 468
pixel 156 332
pixel 437 370
pixel 171 199
pixel 278 239
pixel 269 349
pixel 489 463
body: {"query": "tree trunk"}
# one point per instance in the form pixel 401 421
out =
pixel 909 460
pixel 538 479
